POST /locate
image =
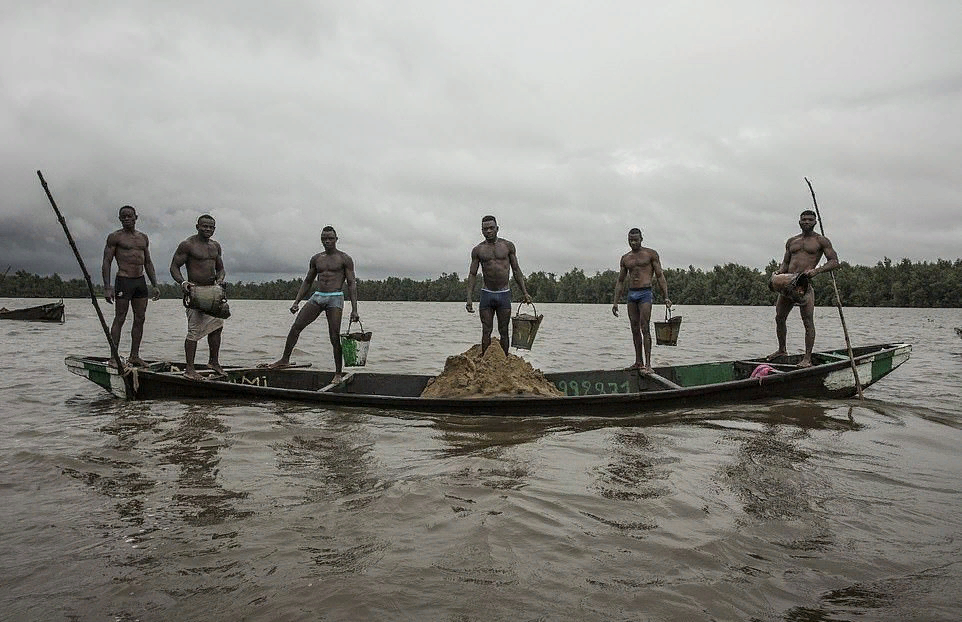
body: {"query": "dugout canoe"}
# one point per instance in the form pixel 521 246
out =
pixel 586 393
pixel 50 312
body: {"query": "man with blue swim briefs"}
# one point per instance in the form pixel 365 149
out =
pixel 498 261
pixel 639 268
pixel 329 269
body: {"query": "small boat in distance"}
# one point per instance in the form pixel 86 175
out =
pixel 593 393
pixel 50 312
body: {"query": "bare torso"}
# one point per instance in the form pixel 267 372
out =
pixel 640 267
pixel 202 259
pixel 803 252
pixel 129 251
pixel 495 261
pixel 331 270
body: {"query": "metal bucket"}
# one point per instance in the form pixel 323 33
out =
pixel 211 299
pixel 354 346
pixel 524 327
pixel 666 333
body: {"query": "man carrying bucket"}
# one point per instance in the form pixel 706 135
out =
pixel 205 267
pixel 329 269
pixel 802 254
pixel 639 267
pixel 498 260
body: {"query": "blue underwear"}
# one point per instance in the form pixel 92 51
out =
pixel 640 295
pixel 495 300
pixel 328 300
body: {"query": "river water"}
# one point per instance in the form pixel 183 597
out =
pixel 188 510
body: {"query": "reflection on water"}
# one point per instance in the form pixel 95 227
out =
pixel 332 461
pixel 781 510
pixel 194 447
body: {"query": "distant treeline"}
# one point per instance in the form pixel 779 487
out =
pixel 886 284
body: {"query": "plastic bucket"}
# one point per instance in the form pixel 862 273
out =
pixel 666 333
pixel 524 327
pixel 354 346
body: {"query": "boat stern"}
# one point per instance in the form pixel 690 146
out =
pixel 98 372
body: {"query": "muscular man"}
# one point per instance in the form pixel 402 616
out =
pixel 330 269
pixel 205 266
pixel 130 248
pixel 498 261
pixel 639 267
pixel 802 254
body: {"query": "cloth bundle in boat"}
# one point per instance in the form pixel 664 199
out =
pixel 794 286
pixel 211 299
pixel 354 346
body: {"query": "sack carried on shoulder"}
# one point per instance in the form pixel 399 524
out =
pixel 211 299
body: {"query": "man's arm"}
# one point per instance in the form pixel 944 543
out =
pixel 831 257
pixel 305 286
pixel 110 249
pixel 782 269
pixel 618 285
pixel 149 269
pixel 472 278
pixel 660 276
pixel 220 275
pixel 351 286
pixel 178 260
pixel 516 271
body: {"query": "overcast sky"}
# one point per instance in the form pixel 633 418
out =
pixel 402 123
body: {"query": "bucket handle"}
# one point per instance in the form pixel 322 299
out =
pixel 667 314
pixel 518 312
pixel 351 321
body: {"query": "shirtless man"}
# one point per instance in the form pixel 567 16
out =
pixel 639 267
pixel 329 269
pixel 129 248
pixel 205 266
pixel 802 254
pixel 498 260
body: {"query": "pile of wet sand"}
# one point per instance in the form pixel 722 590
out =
pixel 470 374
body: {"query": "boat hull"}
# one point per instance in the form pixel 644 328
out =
pixel 52 312
pixel 586 393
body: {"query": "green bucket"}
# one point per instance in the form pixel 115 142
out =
pixel 354 346
pixel 524 327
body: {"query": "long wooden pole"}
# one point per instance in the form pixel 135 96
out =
pixel 838 299
pixel 114 354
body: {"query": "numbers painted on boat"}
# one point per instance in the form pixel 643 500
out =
pixel 587 387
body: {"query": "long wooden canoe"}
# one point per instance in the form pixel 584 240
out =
pixel 586 393
pixel 50 312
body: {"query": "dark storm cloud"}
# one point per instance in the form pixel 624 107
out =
pixel 401 124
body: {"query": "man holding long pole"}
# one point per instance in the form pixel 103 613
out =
pixel 803 252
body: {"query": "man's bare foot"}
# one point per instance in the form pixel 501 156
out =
pixel 635 366
pixel 646 369
pixel 193 374
pixel 337 378
pixel 136 361
pixel 217 368
pixel 805 362
pixel 774 355
pixel 112 362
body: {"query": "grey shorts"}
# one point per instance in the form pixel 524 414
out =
pixel 328 300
